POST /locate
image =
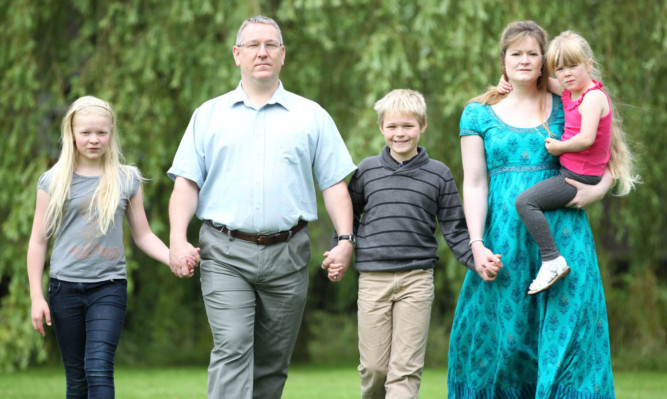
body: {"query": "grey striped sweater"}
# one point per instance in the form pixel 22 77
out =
pixel 395 211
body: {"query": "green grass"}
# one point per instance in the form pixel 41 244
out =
pixel 304 382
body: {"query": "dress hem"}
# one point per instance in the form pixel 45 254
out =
pixel 460 390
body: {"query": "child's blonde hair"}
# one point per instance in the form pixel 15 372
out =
pixel 570 48
pixel 402 101
pixel 107 195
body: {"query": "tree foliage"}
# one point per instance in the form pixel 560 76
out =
pixel 156 61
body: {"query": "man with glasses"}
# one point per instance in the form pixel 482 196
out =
pixel 246 166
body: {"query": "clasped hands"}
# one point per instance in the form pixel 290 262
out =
pixel 337 260
pixel 183 258
pixel 487 264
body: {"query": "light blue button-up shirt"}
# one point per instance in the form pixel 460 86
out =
pixel 255 166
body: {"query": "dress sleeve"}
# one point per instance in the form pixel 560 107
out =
pixel 469 124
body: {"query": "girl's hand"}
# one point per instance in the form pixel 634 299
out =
pixel 191 262
pixel 40 311
pixel 504 86
pixel 178 258
pixel 555 147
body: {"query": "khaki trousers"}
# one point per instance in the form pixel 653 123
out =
pixel 394 314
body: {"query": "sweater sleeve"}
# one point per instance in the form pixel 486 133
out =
pixel 452 222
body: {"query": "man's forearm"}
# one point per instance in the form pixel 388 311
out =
pixel 182 206
pixel 339 207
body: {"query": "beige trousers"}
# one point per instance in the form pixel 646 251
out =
pixel 394 314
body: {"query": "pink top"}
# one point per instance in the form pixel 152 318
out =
pixel 593 160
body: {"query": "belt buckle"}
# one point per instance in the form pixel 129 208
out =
pixel 266 239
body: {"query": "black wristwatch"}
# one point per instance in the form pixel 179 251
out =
pixel 349 237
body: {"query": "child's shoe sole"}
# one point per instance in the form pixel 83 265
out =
pixel 565 272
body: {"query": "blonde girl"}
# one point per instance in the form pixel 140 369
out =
pixel 593 140
pixel 81 202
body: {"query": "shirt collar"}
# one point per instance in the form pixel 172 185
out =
pixel 279 97
pixel 415 162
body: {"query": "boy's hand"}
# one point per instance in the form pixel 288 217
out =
pixel 490 270
pixel 487 265
pixel 555 147
pixel 504 86
pixel 336 272
pixel 336 269
pixel 340 254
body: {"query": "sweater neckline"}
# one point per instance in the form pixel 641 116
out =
pixel 413 163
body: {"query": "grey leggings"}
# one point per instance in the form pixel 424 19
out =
pixel 548 194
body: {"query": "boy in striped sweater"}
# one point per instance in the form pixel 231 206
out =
pixel 398 197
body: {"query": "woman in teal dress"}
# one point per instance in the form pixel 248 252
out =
pixel 505 343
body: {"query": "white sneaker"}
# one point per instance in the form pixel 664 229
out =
pixel 550 272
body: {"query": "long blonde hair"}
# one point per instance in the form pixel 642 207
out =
pixel 107 194
pixel 570 48
pixel 514 33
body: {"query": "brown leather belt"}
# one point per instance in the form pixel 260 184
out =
pixel 261 239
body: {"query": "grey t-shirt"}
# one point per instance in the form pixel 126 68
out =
pixel 80 253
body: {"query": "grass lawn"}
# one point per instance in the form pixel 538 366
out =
pixel 303 383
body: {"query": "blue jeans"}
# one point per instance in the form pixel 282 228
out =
pixel 87 319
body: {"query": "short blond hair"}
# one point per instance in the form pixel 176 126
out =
pixel 402 101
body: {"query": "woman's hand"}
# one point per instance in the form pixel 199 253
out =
pixel 487 265
pixel 589 194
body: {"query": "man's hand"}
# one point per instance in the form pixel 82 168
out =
pixel 337 260
pixel 183 257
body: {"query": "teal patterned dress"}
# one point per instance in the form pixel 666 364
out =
pixel 505 343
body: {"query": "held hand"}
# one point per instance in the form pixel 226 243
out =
pixel 489 271
pixel 336 272
pixel 339 256
pixel 182 259
pixel 40 311
pixel 192 262
pixel 586 194
pixel 555 147
pixel 487 265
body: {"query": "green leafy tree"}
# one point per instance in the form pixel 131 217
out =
pixel 156 61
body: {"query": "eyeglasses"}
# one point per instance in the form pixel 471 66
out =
pixel 254 46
